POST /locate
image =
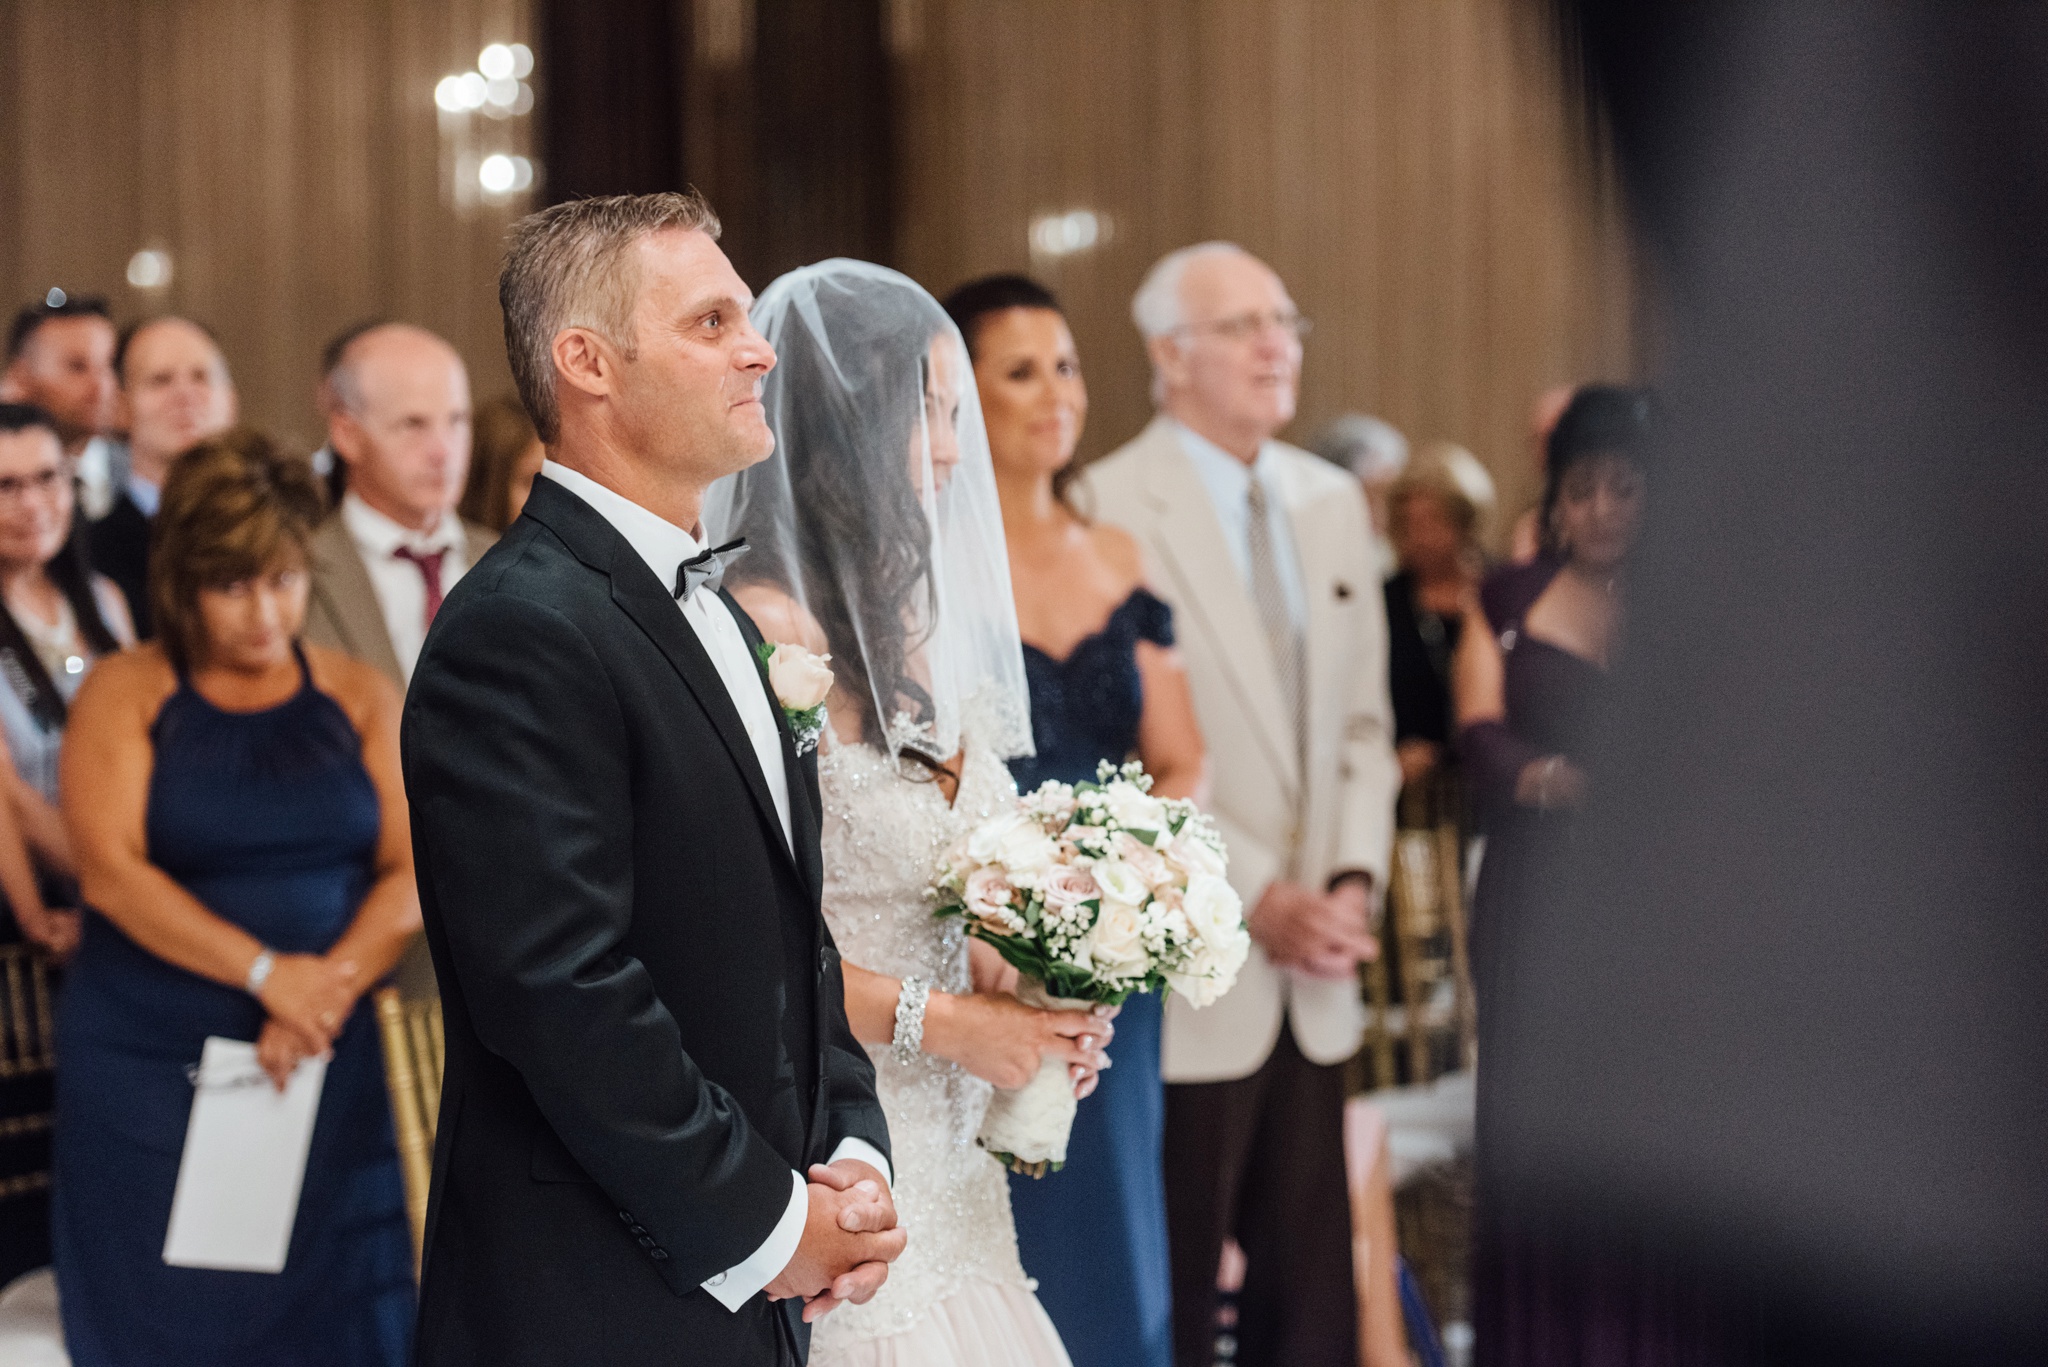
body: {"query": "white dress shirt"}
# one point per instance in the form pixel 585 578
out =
pixel 1229 482
pixel 665 546
pixel 400 587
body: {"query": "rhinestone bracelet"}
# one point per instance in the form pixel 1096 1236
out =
pixel 908 1042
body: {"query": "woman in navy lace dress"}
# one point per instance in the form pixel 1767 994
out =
pixel 1105 685
pixel 243 846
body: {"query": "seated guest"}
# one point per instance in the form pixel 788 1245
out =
pixel 382 564
pixel 1105 685
pixel 1433 516
pixel 60 358
pixel 1525 540
pixel 57 619
pixel 242 838
pixel 175 392
pixel 507 459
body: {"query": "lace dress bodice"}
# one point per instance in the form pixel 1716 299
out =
pixel 884 831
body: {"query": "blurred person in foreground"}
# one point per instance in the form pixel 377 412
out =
pixel 1374 451
pixel 175 393
pixel 242 838
pixel 60 357
pixel 660 1138
pixel 385 560
pixel 1105 685
pixel 505 464
pixel 1265 555
pixel 1531 677
pixel 1435 512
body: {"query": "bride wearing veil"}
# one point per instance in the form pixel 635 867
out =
pixel 876 536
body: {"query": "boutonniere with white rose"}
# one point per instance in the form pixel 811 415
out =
pixel 801 681
pixel 1093 891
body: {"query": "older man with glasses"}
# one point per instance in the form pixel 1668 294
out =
pixel 1265 554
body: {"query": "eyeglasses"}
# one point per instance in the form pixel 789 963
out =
pixel 42 482
pixel 1245 326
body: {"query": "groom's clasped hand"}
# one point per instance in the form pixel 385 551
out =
pixel 850 1237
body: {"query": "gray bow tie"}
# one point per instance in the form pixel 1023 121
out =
pixel 706 569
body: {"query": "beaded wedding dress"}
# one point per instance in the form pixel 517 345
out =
pixel 958 1296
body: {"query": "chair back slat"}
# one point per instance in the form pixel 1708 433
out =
pixel 412 1075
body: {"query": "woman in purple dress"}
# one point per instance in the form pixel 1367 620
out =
pixel 1530 674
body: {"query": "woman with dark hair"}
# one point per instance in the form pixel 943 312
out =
pixel 1529 677
pixel 244 850
pixel 1105 685
pixel 876 537
pixel 57 619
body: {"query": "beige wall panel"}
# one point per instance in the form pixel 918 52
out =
pixel 1411 167
pixel 287 153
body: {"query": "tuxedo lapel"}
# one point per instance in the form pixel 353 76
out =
pixel 342 592
pixel 1212 595
pixel 653 609
pixel 804 818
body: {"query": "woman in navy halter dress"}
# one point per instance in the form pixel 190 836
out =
pixel 270 818
pixel 1112 1305
pixel 1094 1233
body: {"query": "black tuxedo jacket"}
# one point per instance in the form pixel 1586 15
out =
pixel 646 1023
pixel 119 543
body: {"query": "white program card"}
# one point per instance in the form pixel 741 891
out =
pixel 245 1160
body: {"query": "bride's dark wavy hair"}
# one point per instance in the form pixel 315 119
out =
pixel 863 527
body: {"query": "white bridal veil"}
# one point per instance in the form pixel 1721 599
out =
pixel 878 515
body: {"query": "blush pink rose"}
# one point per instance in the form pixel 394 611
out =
pixel 1067 887
pixel 988 895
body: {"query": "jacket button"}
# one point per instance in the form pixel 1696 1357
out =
pixel 660 1255
pixel 625 1217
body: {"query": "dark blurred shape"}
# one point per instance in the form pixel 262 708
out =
pixel 612 96
pixel 1775 1047
pixel 778 110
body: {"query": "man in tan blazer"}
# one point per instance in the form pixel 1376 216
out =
pixel 388 555
pixel 1266 555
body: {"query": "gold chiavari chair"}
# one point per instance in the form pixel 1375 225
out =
pixel 27 1051
pixel 1420 990
pixel 414 1048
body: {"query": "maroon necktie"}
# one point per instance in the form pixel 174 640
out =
pixel 428 563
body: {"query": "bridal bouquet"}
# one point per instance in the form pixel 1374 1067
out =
pixel 1093 891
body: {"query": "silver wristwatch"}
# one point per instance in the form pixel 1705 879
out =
pixel 259 972
pixel 908 1042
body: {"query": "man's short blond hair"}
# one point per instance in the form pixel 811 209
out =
pixel 571 265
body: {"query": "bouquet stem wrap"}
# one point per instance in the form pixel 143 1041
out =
pixel 1026 1129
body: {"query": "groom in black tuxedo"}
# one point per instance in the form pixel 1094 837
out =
pixel 659 1141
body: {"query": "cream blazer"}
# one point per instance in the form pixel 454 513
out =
pixel 1150 487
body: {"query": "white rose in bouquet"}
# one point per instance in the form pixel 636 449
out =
pixel 1133 808
pixel 1192 855
pixel 1117 943
pixel 1120 883
pixel 1214 910
pixel 985 840
pixel 1145 861
pixel 1027 851
pixel 1201 979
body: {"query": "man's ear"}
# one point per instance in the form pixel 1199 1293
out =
pixel 586 361
pixel 1168 360
pixel 344 434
